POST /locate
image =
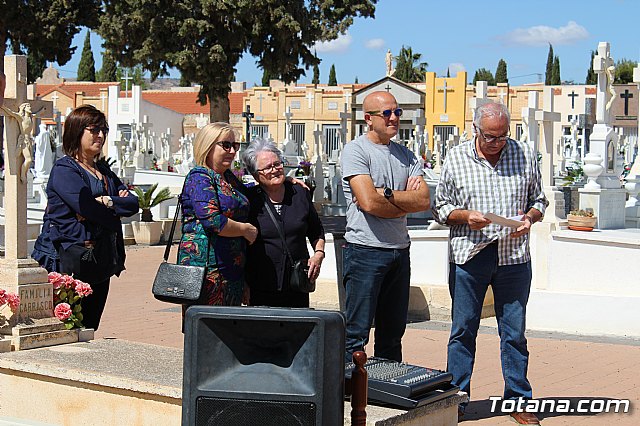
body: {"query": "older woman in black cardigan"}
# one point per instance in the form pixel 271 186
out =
pixel 267 264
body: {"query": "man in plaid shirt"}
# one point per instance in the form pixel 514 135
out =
pixel 491 173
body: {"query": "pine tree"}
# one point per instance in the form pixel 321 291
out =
pixel 592 78
pixel 484 74
pixel 333 81
pixel 501 72
pixel 549 71
pixel 624 71
pixel 87 66
pixel 109 67
pixel 316 75
pixel 555 73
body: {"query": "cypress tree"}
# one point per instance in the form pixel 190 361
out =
pixel 87 66
pixel 356 80
pixel 592 78
pixel 333 81
pixel 549 71
pixel 184 82
pixel 109 68
pixel 316 75
pixel 555 74
pixel 501 72
pixel 266 76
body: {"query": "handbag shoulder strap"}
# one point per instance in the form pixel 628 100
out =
pixel 167 249
pixel 277 225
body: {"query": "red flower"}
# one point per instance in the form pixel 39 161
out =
pixel 62 311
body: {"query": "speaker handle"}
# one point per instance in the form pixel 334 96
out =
pixel 359 386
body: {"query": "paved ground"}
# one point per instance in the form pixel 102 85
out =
pixel 562 367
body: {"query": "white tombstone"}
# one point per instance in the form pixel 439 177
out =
pixel 290 147
pixel 454 139
pixel 418 122
pixel 632 207
pixel 44 155
pixel 547 117
pixel 530 133
pixel 437 147
pixel 608 201
pixel 480 98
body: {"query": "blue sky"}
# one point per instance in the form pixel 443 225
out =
pixel 466 35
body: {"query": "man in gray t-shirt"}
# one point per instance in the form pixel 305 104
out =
pixel 382 181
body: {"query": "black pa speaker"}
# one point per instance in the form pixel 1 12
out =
pixel 263 366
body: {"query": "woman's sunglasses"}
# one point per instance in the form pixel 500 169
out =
pixel 95 130
pixel 226 145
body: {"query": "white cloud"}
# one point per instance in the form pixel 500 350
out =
pixel 541 35
pixel 374 44
pixel 454 68
pixel 339 45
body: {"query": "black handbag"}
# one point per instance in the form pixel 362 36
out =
pixel 299 269
pixel 181 284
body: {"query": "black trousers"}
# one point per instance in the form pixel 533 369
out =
pixel 93 305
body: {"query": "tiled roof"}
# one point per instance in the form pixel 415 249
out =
pixel 88 88
pixel 187 102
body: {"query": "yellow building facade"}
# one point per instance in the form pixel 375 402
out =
pixel 445 105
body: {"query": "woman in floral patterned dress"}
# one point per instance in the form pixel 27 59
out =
pixel 214 215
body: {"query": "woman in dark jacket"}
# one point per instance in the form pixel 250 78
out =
pixel 267 270
pixel 82 232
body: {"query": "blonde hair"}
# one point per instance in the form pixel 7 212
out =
pixel 207 137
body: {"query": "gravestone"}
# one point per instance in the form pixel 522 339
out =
pixel 33 325
pixel 437 148
pixel 608 201
pixel 44 155
pixel 530 131
pixel 419 122
pixel 547 117
pixel 480 98
pixel 318 172
pixel 632 207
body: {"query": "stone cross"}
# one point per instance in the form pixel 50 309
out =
pixel 248 115
pixel 437 148
pixel 529 124
pixel 287 127
pixel 126 79
pixel 547 117
pixel 33 324
pixel 54 99
pixel 347 98
pixel 603 66
pixel 310 97
pixel 445 89
pixel 502 95
pixel 480 98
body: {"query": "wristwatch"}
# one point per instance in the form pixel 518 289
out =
pixel 109 202
pixel 387 192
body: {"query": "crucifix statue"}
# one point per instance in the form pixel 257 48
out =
pixel 23 150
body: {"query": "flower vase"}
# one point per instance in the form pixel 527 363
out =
pixel 592 168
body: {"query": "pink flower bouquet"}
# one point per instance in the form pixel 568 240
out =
pixel 68 293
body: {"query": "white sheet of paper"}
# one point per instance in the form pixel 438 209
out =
pixel 509 222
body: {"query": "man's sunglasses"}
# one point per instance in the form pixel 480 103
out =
pixel 226 145
pixel 387 112
pixel 95 130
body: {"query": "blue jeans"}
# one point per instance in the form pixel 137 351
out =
pixel 468 284
pixel 377 287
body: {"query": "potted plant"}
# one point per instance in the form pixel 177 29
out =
pixel 581 220
pixel 147 231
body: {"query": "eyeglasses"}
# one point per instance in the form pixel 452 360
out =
pixel 491 138
pixel 387 112
pixel 95 130
pixel 274 166
pixel 226 145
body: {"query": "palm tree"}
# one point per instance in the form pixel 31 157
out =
pixel 146 200
pixel 408 66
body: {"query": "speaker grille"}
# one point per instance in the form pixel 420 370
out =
pixel 243 412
